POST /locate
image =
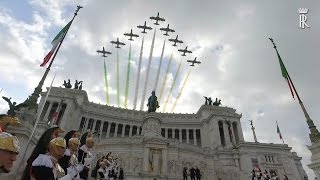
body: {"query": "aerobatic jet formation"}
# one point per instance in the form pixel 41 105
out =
pixel 118 43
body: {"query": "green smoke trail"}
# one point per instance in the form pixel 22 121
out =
pixel 138 76
pixel 171 88
pixel 180 92
pixel 128 79
pixel 118 86
pixel 106 81
pixel 166 77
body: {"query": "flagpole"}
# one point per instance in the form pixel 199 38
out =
pixel 32 100
pixel 280 133
pixel 35 126
pixel 285 173
pixel 314 135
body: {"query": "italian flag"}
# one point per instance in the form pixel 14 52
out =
pixel 55 42
pixel 285 74
pixel 278 131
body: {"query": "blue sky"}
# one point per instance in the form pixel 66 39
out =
pixel 244 73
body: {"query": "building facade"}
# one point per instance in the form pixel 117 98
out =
pixel 160 145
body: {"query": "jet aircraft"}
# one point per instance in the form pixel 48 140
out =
pixel 144 27
pixel 184 51
pixel 157 18
pixel 175 41
pixel 117 43
pixel 103 52
pixel 167 29
pixel 194 61
pixel 131 35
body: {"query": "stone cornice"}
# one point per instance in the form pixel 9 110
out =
pixel 262 146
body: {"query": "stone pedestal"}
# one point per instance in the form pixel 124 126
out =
pixel 155 157
pixel 151 126
pixel 315 159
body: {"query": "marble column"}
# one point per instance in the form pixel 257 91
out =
pixel 101 128
pixel 123 128
pixel 180 135
pixel 226 134
pixel 94 126
pixel 64 118
pixel 164 167
pixel 233 134
pixel 194 137
pixel 108 130
pixel 138 130
pixel 48 111
pixel 187 134
pixel 166 133
pixel 173 134
pixel 130 131
pixel 86 126
pixel 116 130
pixel 146 159
pixel 240 133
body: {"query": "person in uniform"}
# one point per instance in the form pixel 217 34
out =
pixel 102 172
pixel 72 149
pixel 6 120
pixel 70 160
pixel 84 155
pixel 41 148
pixel 9 148
pixel 46 166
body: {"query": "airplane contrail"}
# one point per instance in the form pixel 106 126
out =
pixel 118 86
pixel 148 71
pixel 138 76
pixel 159 67
pixel 172 86
pixel 180 92
pixel 165 77
pixel 128 79
pixel 106 81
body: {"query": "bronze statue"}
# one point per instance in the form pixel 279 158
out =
pixel 153 103
pixel 206 98
pixel 80 87
pixel 251 123
pixel 13 106
pixel 76 85
pixel 67 85
pixel 208 101
pixel 217 103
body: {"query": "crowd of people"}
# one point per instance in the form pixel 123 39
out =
pixel 194 173
pixel 107 168
pixel 258 174
pixel 55 157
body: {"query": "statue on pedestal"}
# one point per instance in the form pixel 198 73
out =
pixel 153 103
pixel 67 84
pixel 13 106
pixel 217 103
pixel 78 85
